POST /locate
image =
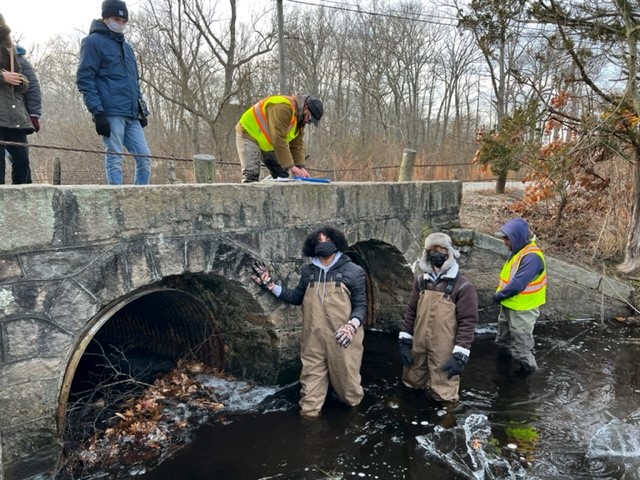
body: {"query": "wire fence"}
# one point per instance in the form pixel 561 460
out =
pixel 62 165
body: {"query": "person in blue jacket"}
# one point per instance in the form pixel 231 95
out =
pixel 521 292
pixel 107 77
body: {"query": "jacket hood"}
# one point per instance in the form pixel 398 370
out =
pixel 517 231
pixel 340 259
pixel 98 26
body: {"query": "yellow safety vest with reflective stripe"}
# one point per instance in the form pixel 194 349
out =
pixel 535 293
pixel 254 121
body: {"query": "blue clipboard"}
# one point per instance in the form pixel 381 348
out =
pixel 313 179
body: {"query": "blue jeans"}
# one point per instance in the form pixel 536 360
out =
pixel 126 132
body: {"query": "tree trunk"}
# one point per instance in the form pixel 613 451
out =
pixel 632 251
pixel 501 182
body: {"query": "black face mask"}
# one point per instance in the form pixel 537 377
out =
pixel 326 249
pixel 437 259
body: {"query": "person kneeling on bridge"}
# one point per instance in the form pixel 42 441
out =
pixel 332 293
pixel 271 132
pixel 439 323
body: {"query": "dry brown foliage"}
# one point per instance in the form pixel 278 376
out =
pixel 148 427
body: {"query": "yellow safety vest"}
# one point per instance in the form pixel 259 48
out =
pixel 535 293
pixel 254 121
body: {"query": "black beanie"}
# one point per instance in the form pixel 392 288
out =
pixel 115 8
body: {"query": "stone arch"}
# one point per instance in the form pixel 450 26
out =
pixel 389 281
pixel 158 321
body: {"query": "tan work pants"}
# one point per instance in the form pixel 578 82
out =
pixel 433 341
pixel 325 308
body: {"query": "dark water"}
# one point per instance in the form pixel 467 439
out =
pixel 578 417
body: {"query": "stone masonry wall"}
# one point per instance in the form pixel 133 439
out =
pixel 68 254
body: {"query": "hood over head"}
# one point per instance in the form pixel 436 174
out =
pixel 517 231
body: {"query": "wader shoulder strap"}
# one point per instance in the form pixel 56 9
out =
pixel 450 284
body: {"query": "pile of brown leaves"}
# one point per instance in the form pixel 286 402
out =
pixel 148 427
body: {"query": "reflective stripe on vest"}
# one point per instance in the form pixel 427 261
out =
pixel 254 121
pixel 535 292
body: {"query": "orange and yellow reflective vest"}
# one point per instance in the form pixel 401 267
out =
pixel 535 293
pixel 254 121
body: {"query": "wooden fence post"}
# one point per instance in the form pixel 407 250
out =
pixel 56 173
pixel 406 168
pixel 204 167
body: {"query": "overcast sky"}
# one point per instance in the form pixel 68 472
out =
pixel 36 21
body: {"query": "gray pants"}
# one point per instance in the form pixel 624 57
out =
pixel 515 334
pixel 251 157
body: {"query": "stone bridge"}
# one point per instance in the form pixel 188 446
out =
pixel 164 270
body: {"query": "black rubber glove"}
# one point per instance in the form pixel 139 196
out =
pixel 262 277
pixel 455 365
pixel 103 127
pixel 143 120
pixel 405 344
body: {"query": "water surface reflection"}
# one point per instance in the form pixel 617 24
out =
pixel 578 417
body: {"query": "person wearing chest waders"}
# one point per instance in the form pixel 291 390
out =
pixel 332 293
pixel 520 293
pixel 439 323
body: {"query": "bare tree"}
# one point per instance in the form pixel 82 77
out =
pixel 497 27
pixel 203 72
pixel 613 28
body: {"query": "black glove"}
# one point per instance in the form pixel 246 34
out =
pixel 143 120
pixel 496 300
pixel 263 277
pixel 455 365
pixel 405 344
pixel 103 127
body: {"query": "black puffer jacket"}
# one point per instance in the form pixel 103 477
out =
pixel 353 277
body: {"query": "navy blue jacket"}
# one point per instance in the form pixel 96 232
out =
pixel 107 75
pixel 353 276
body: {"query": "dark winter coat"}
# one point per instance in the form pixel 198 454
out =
pixel 107 75
pixel 463 295
pixel 350 274
pixel 33 96
pixel 13 113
